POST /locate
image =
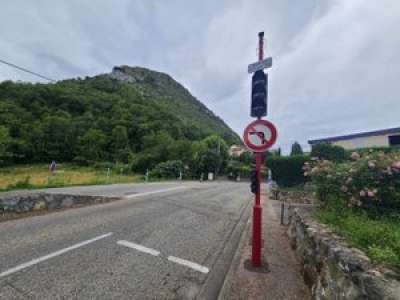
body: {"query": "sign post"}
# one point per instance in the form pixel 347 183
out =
pixel 259 136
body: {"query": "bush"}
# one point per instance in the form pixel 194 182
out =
pixel 329 152
pixel 287 170
pixel 369 182
pixel 168 169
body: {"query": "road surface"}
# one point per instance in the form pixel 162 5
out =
pixel 162 241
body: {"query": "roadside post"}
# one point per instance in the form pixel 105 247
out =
pixel 258 136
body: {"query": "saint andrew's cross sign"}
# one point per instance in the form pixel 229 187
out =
pixel 260 135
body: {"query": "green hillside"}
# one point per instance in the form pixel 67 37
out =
pixel 121 116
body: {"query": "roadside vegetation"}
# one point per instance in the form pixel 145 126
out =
pixel 38 176
pixel 152 126
pixel 359 193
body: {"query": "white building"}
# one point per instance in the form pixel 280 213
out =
pixel 378 138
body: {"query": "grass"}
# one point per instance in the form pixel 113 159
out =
pixel 380 239
pixel 38 176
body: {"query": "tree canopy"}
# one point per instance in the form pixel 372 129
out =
pixel 103 119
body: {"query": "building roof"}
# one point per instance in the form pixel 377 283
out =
pixel 355 135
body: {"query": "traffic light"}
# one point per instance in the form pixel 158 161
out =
pixel 259 94
pixel 254 181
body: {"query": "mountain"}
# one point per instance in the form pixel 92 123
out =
pixel 174 97
pixel 126 113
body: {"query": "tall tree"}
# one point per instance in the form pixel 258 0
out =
pixel 296 149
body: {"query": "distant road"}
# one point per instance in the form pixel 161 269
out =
pixel 162 241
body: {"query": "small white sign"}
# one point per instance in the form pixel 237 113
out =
pixel 260 65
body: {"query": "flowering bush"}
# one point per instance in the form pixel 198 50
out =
pixel 370 181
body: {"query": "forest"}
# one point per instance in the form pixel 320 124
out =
pixel 103 119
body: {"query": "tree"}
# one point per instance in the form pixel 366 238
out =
pixel 5 141
pixel 296 149
pixel 92 145
pixel 210 155
pixel 120 143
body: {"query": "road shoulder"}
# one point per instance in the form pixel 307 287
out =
pixel 280 278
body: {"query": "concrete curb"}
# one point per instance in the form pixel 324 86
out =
pixel 216 280
pixel 236 260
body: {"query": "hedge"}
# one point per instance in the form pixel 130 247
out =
pixel 287 170
pixel 329 152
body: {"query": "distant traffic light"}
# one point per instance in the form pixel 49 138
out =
pixel 254 181
pixel 259 94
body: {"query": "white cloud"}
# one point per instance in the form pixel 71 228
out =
pixel 335 61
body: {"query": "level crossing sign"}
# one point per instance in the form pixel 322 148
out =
pixel 260 135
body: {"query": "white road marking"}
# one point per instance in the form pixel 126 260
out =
pixel 51 255
pixel 156 192
pixel 189 264
pixel 139 248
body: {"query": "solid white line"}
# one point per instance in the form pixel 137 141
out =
pixel 155 192
pixel 189 264
pixel 51 255
pixel 139 248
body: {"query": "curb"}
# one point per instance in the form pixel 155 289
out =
pixel 216 280
pixel 235 261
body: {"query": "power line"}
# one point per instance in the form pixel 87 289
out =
pixel 26 70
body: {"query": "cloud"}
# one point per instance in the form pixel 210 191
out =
pixel 334 66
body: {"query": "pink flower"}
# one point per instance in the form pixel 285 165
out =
pixel 344 188
pixel 396 165
pixel 306 174
pixel 355 155
pixel 371 164
pixel 370 194
pixel 363 193
pixel 314 170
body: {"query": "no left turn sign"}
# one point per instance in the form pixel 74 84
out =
pixel 260 135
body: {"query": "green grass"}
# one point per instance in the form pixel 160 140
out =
pixel 38 176
pixel 380 239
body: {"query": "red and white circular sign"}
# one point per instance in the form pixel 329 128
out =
pixel 259 135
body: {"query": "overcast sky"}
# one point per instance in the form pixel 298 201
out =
pixel 335 67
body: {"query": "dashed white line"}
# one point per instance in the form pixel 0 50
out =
pixel 156 192
pixel 184 262
pixel 139 248
pixel 51 255
pixel 189 264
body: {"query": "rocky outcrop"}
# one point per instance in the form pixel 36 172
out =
pixel 332 269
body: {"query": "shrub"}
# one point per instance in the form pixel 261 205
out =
pixel 287 170
pixel 168 169
pixel 329 152
pixel 369 182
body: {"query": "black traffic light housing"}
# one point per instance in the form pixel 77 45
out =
pixel 259 94
pixel 254 181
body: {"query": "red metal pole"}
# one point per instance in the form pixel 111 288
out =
pixel 257 218
pixel 257 209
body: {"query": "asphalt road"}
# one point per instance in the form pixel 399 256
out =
pixel 162 241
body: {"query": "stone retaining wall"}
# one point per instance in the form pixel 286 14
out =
pixel 27 202
pixel 332 269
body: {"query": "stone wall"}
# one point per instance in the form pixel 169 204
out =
pixel 332 269
pixel 27 202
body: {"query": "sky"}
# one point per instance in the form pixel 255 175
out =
pixel 335 62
